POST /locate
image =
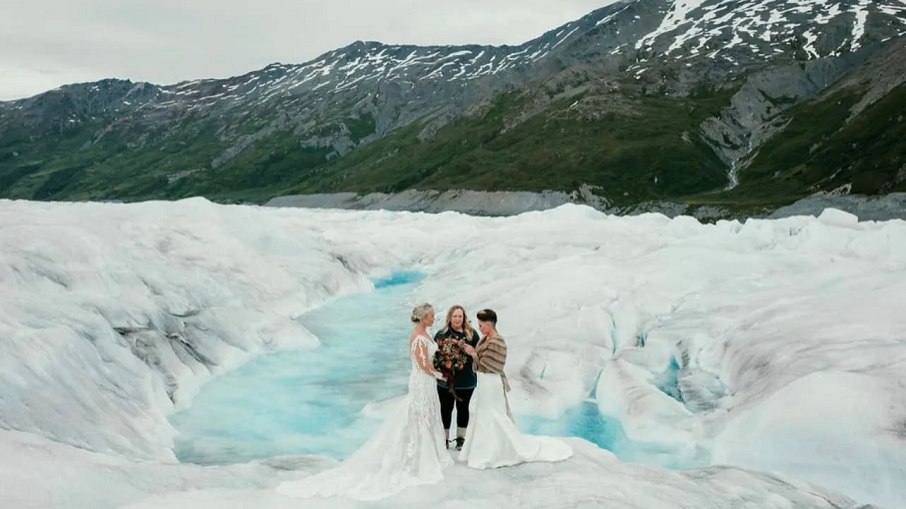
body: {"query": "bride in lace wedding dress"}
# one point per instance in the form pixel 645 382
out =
pixel 408 449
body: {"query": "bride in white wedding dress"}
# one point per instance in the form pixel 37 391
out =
pixel 492 439
pixel 408 450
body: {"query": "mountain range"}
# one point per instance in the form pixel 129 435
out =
pixel 742 104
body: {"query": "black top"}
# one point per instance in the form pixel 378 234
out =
pixel 465 379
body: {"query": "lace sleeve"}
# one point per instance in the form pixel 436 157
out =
pixel 420 356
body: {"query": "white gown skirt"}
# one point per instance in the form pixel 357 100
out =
pixel 407 450
pixel 492 439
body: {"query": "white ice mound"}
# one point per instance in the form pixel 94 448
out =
pixel 831 427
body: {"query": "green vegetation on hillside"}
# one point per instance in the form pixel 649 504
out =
pixel 650 149
pixel 821 149
pixel 647 148
pixel 635 148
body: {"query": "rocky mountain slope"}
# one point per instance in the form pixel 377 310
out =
pixel 745 104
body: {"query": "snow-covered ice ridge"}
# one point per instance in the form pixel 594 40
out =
pixel 788 336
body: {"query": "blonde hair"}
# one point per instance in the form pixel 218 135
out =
pixel 466 327
pixel 420 311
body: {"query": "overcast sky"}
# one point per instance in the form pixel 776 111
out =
pixel 47 43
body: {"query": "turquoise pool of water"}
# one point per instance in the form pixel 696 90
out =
pixel 311 401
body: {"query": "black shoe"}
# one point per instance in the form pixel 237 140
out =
pixel 459 442
pixel 449 442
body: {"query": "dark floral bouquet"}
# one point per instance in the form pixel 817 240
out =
pixel 449 360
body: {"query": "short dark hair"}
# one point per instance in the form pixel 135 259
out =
pixel 488 315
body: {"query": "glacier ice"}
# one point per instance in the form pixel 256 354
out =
pixel 786 335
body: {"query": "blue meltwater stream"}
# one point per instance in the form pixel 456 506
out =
pixel 311 401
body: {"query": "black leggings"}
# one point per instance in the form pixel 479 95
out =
pixel 462 407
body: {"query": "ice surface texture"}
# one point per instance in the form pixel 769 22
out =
pixel 770 345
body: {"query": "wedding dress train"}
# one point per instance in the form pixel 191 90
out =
pixel 408 449
pixel 493 440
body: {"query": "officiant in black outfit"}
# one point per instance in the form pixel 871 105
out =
pixel 457 328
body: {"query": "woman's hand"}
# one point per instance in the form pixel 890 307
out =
pixel 438 375
pixel 469 349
